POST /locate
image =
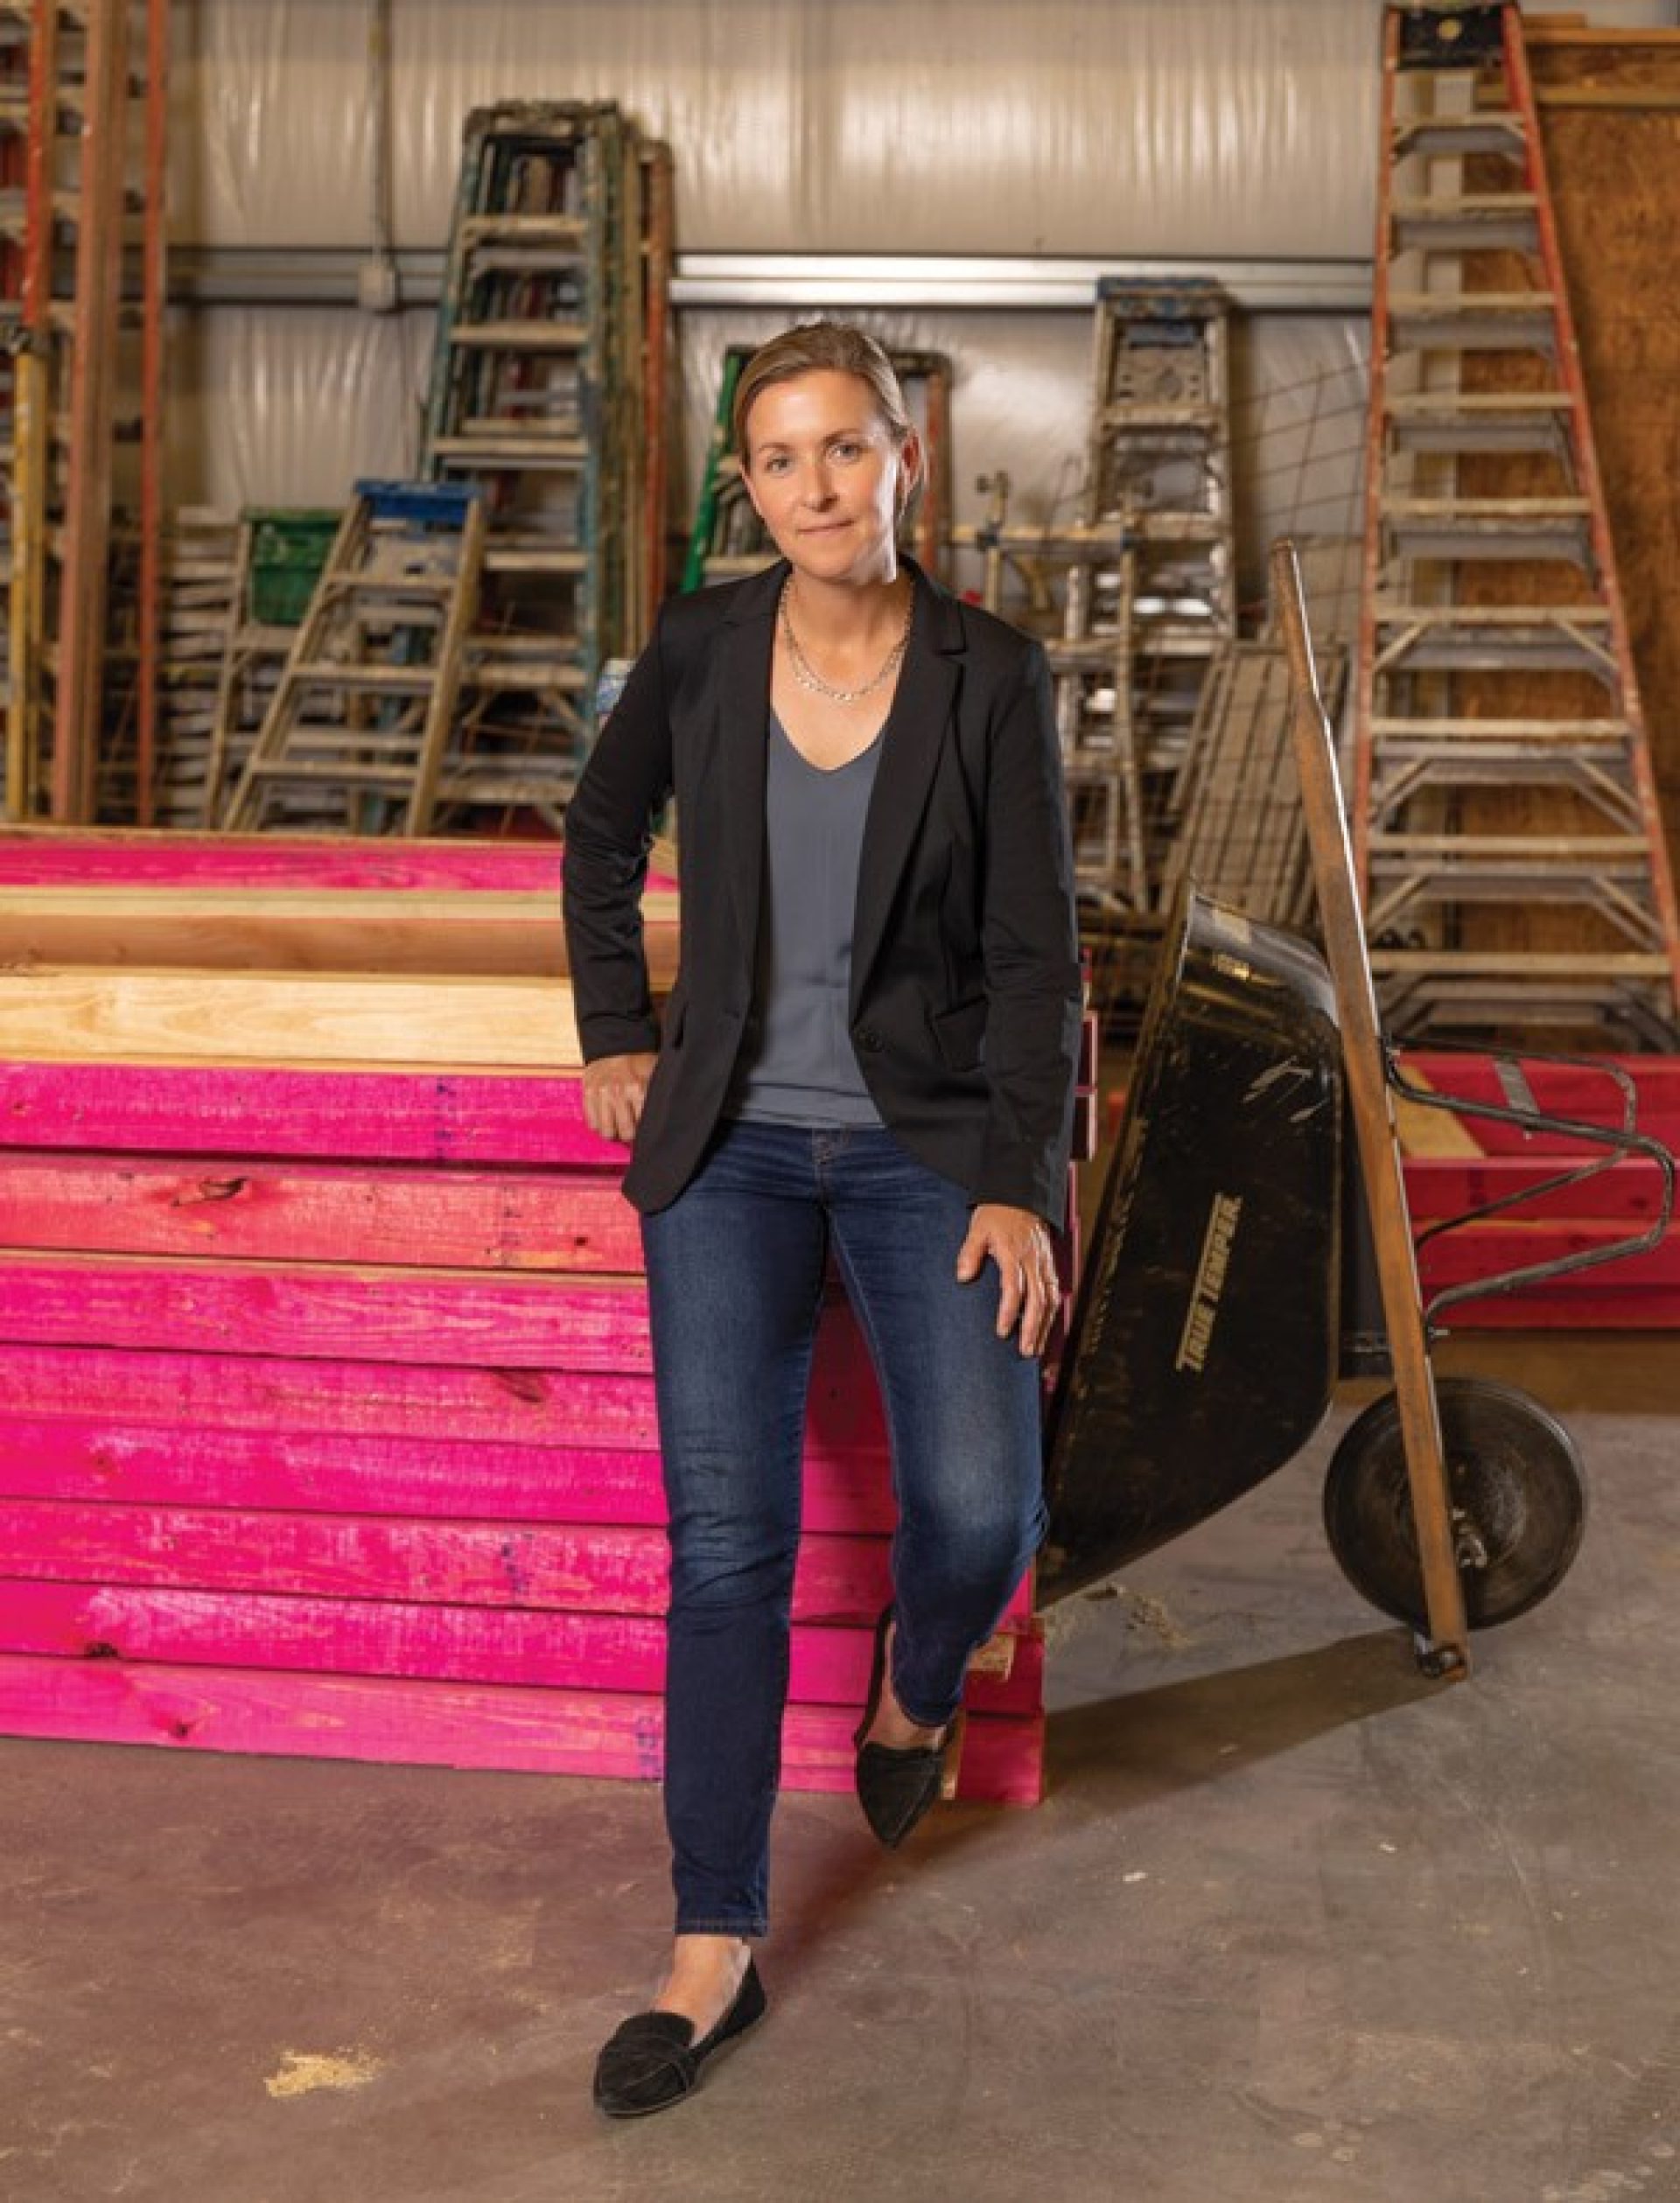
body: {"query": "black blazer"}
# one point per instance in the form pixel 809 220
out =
pixel 965 980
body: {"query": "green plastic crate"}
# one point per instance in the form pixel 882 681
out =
pixel 289 548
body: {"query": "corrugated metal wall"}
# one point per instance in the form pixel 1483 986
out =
pixel 1091 127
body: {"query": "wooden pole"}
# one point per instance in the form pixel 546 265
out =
pixel 1444 1650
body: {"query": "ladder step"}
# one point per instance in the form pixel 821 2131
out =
pixel 1499 509
pixel 512 449
pixel 1621 850
pixel 328 672
pixel 1478 733
pixel 1390 613
pixel 1520 963
pixel 1467 205
pixel 532 336
pixel 1504 222
pixel 1486 130
pixel 1481 421
pixel 340 771
pixel 1444 529
pixel 541 230
pixel 1470 320
pixel 541 558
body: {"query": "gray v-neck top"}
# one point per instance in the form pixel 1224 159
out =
pixel 797 1064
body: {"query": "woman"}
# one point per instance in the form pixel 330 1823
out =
pixel 869 1050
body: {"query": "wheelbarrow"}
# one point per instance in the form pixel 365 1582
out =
pixel 1255 1198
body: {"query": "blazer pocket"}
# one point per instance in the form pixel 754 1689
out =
pixel 961 1033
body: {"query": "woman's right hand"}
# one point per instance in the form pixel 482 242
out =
pixel 614 1089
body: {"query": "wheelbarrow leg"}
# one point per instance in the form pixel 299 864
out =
pixel 1443 1650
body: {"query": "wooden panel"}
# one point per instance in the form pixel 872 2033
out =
pixel 340 1313
pixel 600 1567
pixel 295 1017
pixel 103 1456
pixel 463 1644
pixel 447 1725
pixel 1629 1192
pixel 392 1116
pixel 182 1205
pixel 483 931
pixel 47 856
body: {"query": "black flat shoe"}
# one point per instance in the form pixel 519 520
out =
pixel 895 1787
pixel 653 2061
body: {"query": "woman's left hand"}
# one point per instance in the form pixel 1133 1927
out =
pixel 1019 1242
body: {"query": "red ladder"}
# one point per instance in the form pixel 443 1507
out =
pixel 1506 831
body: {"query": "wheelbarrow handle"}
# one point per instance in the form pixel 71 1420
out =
pixel 1313 741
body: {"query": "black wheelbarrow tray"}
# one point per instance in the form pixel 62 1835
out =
pixel 1255 1198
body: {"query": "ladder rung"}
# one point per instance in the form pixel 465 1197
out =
pixel 1469 320
pixel 1506 223
pixel 1484 131
pixel 1140 418
pixel 1517 964
pixel 1545 850
pixel 513 448
pixel 520 336
pixel 364 776
pixel 1482 421
pixel 1499 509
pixel 1582 733
pixel 1390 614
pixel 1472 206
pixel 550 230
pixel 327 672
pixel 530 559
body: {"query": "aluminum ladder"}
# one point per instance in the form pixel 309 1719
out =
pixel 353 740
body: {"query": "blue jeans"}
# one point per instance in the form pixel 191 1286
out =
pixel 735 1272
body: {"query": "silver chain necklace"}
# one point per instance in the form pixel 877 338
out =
pixel 808 676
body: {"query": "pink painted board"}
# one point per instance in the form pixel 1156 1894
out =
pixel 398 1400
pixel 1602 1307
pixel 600 1568
pixel 1478 1251
pixel 561 1220
pixel 328 1473
pixel 512 1321
pixel 448 1725
pixel 463 1644
pixel 335 1312
pixel 382 1116
pixel 49 857
pixel 1441 1185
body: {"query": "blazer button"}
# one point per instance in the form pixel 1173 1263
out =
pixel 868 1040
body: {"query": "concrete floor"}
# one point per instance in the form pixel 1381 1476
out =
pixel 1291 1925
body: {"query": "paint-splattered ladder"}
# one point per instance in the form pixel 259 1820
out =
pixel 1505 823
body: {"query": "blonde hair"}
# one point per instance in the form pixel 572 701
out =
pixel 811 348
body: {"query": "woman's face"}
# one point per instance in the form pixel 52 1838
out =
pixel 826 477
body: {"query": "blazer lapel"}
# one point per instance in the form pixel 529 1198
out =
pixel 915 732
pixel 742 740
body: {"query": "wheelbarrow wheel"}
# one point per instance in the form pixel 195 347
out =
pixel 1518 1494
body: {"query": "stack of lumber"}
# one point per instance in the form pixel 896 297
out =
pixel 326 1424
pixel 1455 1164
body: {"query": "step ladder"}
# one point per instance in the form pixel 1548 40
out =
pixel 202 579
pixel 729 539
pixel 1047 579
pixel 548 392
pixel 86 224
pixel 1506 834
pixel 1159 461
pixel 354 741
